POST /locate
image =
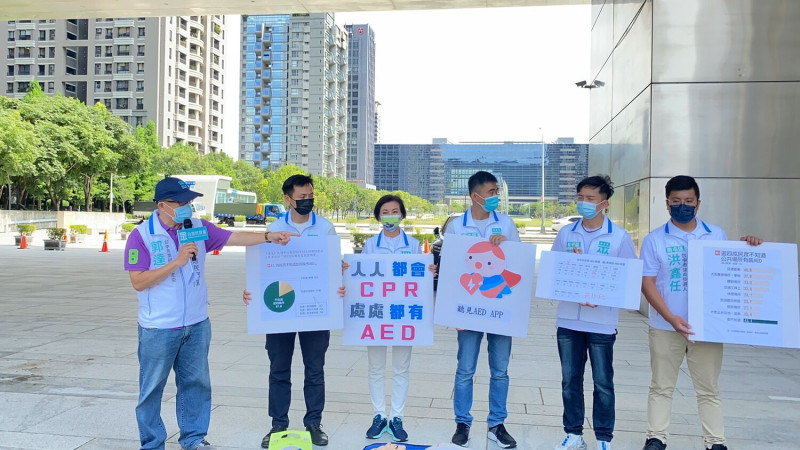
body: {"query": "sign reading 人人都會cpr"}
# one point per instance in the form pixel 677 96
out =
pixel 483 287
pixel 389 300
pixel 294 287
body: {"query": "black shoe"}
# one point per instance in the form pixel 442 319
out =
pixel 377 428
pixel 396 428
pixel 718 447
pixel 318 437
pixel 461 437
pixel 275 429
pixel 499 434
pixel 654 444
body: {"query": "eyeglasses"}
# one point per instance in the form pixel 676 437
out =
pixel 177 202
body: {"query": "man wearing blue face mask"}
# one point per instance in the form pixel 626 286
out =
pixel 174 328
pixel 664 284
pixel 586 330
pixel 481 220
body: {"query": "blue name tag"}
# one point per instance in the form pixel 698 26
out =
pixel 192 235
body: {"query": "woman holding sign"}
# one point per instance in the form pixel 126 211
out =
pixel 389 211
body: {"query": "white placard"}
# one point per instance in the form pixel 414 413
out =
pixel 389 300
pixel 485 288
pixel 740 294
pixel 596 279
pixel 294 287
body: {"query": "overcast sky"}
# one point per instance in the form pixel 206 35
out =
pixel 495 74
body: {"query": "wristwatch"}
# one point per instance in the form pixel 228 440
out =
pixel 266 236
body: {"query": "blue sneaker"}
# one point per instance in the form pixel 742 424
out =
pixel 378 427
pixel 396 428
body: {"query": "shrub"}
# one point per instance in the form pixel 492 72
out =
pixel 128 227
pixel 239 218
pixel 359 239
pixel 56 234
pixel 350 220
pixel 421 237
pixel 79 229
pixel 26 228
pixel 270 219
pixel 206 217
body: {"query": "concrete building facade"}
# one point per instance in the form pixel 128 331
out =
pixel 168 69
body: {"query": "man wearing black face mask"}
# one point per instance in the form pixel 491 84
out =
pixel 664 284
pixel 298 193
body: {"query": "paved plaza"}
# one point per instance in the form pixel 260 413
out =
pixel 68 371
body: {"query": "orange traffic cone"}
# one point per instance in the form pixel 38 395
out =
pixel 65 238
pixel 23 243
pixel 427 247
pixel 215 252
pixel 105 243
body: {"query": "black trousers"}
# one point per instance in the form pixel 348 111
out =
pixel 280 348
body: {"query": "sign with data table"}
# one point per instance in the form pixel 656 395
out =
pixel 740 294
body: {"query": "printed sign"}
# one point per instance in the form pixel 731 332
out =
pixel 389 300
pixel 483 287
pixel 294 287
pixel 596 279
pixel 740 294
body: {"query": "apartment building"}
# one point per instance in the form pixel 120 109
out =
pixel 169 70
pixel 294 92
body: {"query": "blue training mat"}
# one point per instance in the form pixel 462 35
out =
pixel 408 446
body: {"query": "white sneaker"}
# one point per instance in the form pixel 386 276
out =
pixel 573 442
pixel 603 445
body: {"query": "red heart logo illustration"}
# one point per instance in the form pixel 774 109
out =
pixel 471 282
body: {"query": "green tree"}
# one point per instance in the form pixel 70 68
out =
pixel 246 176
pixel 18 147
pixel 143 181
pixel 55 120
pixel 182 158
pixel 220 164
pixel 270 188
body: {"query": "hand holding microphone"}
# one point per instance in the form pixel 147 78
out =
pixel 187 223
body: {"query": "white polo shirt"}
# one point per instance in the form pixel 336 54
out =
pixel 314 226
pixel 400 244
pixel 610 240
pixel 665 252
pixel 496 223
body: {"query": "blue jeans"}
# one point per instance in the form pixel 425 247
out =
pixel 469 344
pixel 573 347
pixel 186 351
pixel 280 348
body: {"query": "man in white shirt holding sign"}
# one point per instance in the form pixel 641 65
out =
pixel 665 285
pixel 298 193
pixel 586 329
pixel 481 220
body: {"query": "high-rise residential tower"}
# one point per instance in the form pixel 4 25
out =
pixel 294 92
pixel 168 69
pixel 361 105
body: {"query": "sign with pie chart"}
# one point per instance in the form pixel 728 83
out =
pixel 279 296
pixel 295 286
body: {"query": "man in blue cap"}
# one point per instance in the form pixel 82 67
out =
pixel 174 329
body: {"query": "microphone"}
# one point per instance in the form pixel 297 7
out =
pixel 187 223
